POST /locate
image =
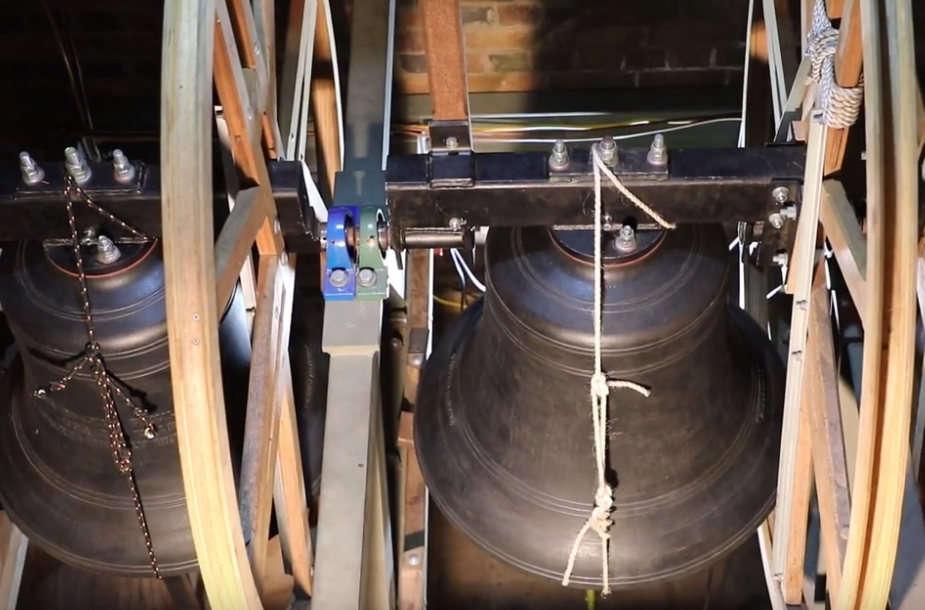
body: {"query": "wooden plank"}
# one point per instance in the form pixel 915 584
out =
pixel 234 243
pixel 843 231
pixel 189 265
pixel 890 322
pixel 327 110
pixel 801 266
pixel 829 459
pixel 792 584
pixel 292 513
pixel 239 111
pixel 297 66
pixel 848 62
pixel 261 432
pixel 835 8
pixel 13 549
pixel 446 62
pixel 251 43
pixel 411 584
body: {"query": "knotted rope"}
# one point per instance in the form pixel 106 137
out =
pixel 840 105
pixel 599 521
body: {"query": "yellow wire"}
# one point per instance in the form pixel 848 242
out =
pixel 447 303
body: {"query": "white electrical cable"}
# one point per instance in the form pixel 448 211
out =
pixel 461 263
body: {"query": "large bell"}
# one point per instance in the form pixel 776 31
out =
pixel 503 422
pixel 58 480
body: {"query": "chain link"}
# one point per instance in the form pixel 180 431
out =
pixel 92 360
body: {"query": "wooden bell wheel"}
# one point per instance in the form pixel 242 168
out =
pixel 229 47
pixel 858 457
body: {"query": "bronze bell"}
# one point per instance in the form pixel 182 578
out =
pixel 503 422
pixel 58 480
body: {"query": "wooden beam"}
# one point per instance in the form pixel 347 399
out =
pixel 835 8
pixel 446 62
pixel 828 438
pixel 261 432
pixel 327 110
pixel 13 548
pixel 843 231
pixel 289 493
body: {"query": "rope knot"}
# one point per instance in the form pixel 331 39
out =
pixel 600 385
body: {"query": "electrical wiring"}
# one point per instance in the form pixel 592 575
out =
pixel 460 261
pixel 628 136
pixel 485 132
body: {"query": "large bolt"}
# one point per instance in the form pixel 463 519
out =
pixel 776 220
pixel 608 149
pixel 76 165
pixel 559 157
pixel 658 154
pixel 367 277
pixel 106 250
pixel 452 142
pixel 781 259
pixel 455 224
pixel 626 239
pixel 32 174
pixel 339 278
pixel 123 170
pixel 781 194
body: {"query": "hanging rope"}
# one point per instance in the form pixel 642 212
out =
pixel 599 521
pixel 840 105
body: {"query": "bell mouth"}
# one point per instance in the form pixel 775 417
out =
pixel 616 251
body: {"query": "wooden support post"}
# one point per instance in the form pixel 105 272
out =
pixel 446 61
pixel 13 547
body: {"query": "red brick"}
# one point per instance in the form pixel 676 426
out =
pixel 509 62
pixel 409 40
pixel 415 63
pixel 520 14
pixel 499 38
pixel 479 14
pixel 512 81
pixel 476 63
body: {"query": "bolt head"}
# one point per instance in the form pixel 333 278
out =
pixel 338 278
pixel 367 277
pixel 607 143
pixel 776 220
pixel 414 559
pixel 627 231
pixel 452 142
pixel 781 194
pixel 455 224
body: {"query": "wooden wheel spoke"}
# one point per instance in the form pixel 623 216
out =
pixel 261 440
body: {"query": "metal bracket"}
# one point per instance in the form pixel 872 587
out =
pixel 372 275
pixel 340 270
pixel 417 346
pixel 450 154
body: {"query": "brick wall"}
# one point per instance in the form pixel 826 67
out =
pixel 511 45
pixel 524 45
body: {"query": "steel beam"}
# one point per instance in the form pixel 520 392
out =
pixel 354 567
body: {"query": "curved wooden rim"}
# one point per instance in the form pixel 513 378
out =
pixel 219 43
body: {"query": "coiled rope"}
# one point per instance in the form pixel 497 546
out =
pixel 840 106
